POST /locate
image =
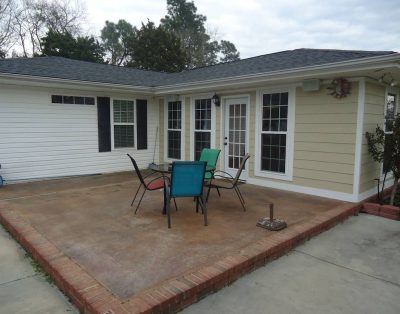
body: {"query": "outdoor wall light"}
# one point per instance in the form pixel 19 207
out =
pixel 215 100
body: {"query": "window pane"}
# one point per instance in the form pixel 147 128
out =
pixel 56 99
pixel 273 150
pixel 174 144
pixel 68 99
pixel 123 111
pixel 79 100
pixel 201 140
pixel 175 115
pixel 123 136
pixel 89 100
pixel 203 114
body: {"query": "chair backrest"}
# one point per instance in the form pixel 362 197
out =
pixel 137 169
pixel 210 155
pixel 187 178
pixel 241 167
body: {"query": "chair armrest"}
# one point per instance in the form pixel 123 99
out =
pixel 225 176
pixel 148 175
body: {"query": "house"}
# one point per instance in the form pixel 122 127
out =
pixel 301 114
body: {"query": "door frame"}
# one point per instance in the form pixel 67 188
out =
pixel 224 117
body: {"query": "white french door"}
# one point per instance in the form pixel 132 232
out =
pixel 235 135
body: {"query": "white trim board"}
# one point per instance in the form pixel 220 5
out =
pixel 303 189
pixel 359 137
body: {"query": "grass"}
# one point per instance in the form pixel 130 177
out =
pixel 38 268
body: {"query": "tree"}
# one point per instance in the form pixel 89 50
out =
pixel 6 22
pixel 34 18
pixel 115 39
pixel 228 51
pixel 182 20
pixel 385 148
pixel 65 45
pixel 154 48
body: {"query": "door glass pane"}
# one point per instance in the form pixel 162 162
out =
pixel 236 134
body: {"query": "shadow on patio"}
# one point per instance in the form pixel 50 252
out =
pixel 91 221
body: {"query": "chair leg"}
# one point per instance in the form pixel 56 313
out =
pixel 176 207
pixel 240 193
pixel 240 199
pixel 197 204
pixel 204 209
pixel 208 192
pixel 137 191
pixel 137 207
pixel 168 208
pixel 219 193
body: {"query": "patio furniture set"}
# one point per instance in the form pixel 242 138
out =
pixel 189 179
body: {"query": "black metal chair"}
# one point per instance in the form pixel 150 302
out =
pixel 223 180
pixel 149 185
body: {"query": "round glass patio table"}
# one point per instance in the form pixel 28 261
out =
pixel 167 168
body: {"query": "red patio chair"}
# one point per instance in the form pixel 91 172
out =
pixel 148 183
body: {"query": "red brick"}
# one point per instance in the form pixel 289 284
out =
pixel 393 217
pixel 371 206
pixel 136 306
pixel 391 210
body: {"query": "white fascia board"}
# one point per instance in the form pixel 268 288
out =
pixel 25 80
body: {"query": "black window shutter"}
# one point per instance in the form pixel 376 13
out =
pixel 141 112
pixel 104 124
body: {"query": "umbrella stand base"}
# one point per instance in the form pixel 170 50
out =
pixel 271 224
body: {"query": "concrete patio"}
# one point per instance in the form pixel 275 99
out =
pixel 90 220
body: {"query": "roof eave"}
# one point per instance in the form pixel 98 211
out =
pixel 308 72
pixel 10 78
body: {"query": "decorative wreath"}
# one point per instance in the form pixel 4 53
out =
pixel 339 88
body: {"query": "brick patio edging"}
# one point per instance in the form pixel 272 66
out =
pixel 174 294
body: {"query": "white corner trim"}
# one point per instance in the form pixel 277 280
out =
pixel 348 197
pixel 373 191
pixel 359 137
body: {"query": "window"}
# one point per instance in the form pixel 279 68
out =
pixel 274 125
pixel 124 122
pixel 174 130
pixel 390 111
pixel 389 117
pixel 202 126
pixel 77 100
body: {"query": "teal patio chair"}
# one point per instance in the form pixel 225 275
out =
pixel 187 179
pixel 210 155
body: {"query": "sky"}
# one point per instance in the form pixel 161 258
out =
pixel 263 26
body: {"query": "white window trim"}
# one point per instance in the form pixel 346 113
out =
pixel 112 123
pixel 193 98
pixel 288 175
pixel 166 101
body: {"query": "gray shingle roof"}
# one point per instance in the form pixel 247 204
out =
pixel 57 67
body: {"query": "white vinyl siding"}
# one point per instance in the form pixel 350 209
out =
pixel 40 139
